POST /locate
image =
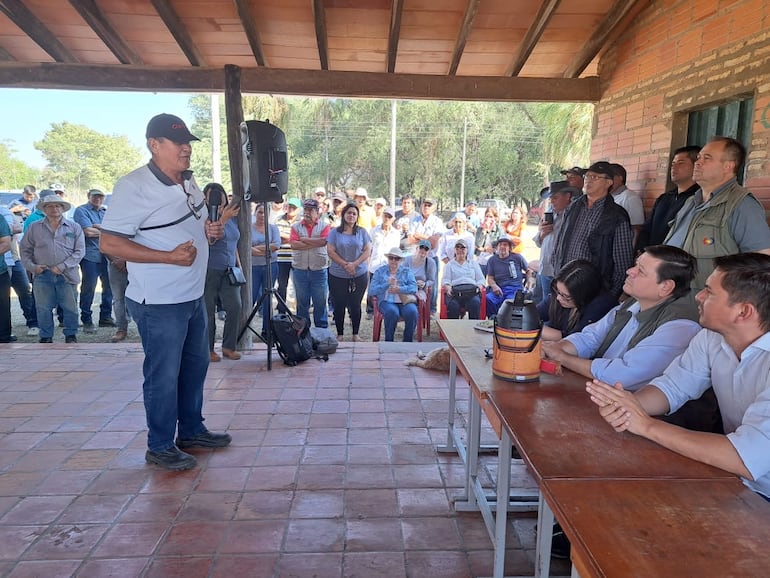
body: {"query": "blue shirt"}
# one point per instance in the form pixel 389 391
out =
pixel 5 231
pixel 381 281
pixel 349 248
pixel 222 253
pixel 742 388
pixel 508 272
pixel 87 216
pixel 258 238
pixel 633 367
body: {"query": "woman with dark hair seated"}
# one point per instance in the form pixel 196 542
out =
pixel 577 299
pixel 463 283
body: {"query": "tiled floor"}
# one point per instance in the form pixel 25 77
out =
pixel 332 472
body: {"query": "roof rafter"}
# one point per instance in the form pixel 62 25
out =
pixel 250 28
pixel 178 31
pixel 321 37
pixel 341 84
pixel 36 30
pixel 99 23
pixel 395 32
pixel 462 36
pixel 529 41
pixel 6 56
pixel 602 32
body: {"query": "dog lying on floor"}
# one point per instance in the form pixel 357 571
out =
pixel 435 359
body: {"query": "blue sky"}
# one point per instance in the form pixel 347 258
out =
pixel 26 114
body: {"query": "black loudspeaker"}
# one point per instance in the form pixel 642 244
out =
pixel 265 163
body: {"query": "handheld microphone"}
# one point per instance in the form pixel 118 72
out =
pixel 215 200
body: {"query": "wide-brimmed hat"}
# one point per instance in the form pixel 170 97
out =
pixel 395 252
pixel 53 200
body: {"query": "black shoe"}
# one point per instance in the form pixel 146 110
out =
pixel 107 322
pixel 46 340
pixel 206 439
pixel 70 339
pixel 171 459
pixel 89 328
pixel 560 547
pixel 10 339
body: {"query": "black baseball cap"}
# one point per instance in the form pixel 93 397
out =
pixel 171 127
pixel 576 170
pixel 602 168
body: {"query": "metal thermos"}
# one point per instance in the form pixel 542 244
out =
pixel 516 346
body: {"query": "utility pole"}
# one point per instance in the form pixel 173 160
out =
pixel 462 177
pixel 216 149
pixel 393 153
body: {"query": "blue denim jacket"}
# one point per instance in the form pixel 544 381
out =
pixel 381 281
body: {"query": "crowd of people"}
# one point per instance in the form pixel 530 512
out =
pixel 666 315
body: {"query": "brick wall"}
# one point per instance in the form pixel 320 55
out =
pixel 679 56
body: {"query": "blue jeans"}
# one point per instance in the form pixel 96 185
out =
pixel 471 304
pixel 93 270
pixel 176 359
pixel 392 311
pixel 494 301
pixel 258 284
pixel 118 284
pixel 311 286
pixel 23 290
pixel 52 291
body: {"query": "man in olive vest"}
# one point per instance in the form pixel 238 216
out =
pixel 310 262
pixel 722 218
pixel 637 340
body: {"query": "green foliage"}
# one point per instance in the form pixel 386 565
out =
pixel 81 158
pixel 14 174
pixel 512 149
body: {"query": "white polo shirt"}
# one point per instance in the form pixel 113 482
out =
pixel 151 210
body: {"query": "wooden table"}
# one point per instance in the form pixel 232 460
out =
pixel 559 434
pixel 663 527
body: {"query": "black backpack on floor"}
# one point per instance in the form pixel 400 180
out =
pixel 292 338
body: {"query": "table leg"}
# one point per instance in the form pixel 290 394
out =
pixel 450 442
pixel 544 536
pixel 503 491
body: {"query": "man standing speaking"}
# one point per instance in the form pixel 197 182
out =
pixel 158 223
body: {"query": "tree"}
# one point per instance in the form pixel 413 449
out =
pixel 14 173
pixel 81 158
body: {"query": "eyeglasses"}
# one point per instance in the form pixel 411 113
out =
pixel 392 258
pixel 191 205
pixel 461 247
pixel 566 298
pixel 596 177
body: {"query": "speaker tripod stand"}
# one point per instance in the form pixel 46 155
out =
pixel 268 292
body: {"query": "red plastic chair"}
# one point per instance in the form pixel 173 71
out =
pixel 482 309
pixel 423 317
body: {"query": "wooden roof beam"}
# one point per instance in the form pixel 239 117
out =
pixel 127 77
pixel 99 23
pixel 36 30
pixel 321 37
pixel 600 36
pixel 462 37
pixel 395 33
pixel 6 56
pixel 532 36
pixel 249 23
pixel 178 31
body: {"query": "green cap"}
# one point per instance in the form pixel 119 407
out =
pixel 294 201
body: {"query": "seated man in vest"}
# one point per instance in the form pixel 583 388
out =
pixel 637 340
pixel 506 274
pixel 732 355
